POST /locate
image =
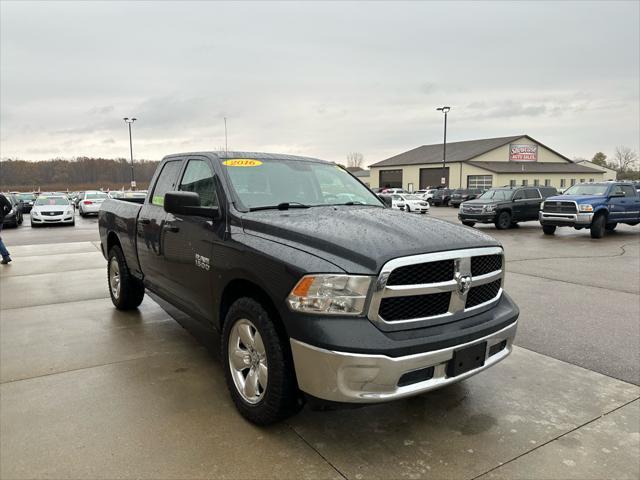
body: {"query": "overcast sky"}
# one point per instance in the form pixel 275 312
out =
pixel 318 79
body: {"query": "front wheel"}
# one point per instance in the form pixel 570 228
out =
pixel 469 224
pixel 549 229
pixel 408 209
pixel 126 290
pixel 598 226
pixel 503 221
pixel 257 365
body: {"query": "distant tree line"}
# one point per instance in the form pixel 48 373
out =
pixel 624 161
pixel 78 174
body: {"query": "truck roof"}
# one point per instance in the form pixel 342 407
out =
pixel 256 155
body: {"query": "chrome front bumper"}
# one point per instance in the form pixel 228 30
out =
pixel 358 378
pixel 573 218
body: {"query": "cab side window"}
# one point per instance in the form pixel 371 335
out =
pixel 531 193
pixel 198 177
pixel 628 190
pixel 166 182
pixel 519 195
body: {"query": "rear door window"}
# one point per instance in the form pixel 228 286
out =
pixel 531 193
pixel 628 190
pixel 166 182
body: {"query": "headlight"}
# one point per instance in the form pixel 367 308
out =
pixel 12 211
pixel 35 212
pixel 542 206
pixel 330 294
pixel 489 208
pixel 585 208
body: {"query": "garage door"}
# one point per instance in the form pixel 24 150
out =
pixel 390 178
pixel 430 177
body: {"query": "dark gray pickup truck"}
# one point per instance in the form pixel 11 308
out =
pixel 315 287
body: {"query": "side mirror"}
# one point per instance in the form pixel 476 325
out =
pixel 188 203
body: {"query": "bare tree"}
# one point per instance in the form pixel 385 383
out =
pixel 624 159
pixel 355 159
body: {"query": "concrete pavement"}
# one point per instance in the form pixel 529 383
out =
pixel 90 392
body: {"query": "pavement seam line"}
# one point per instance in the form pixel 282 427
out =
pixel 53 303
pixel 571 283
pixel 556 438
pixel 621 247
pixel 342 475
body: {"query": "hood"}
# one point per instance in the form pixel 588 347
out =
pixel 577 198
pixel 484 201
pixel 51 208
pixel 361 239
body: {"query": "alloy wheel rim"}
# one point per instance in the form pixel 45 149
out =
pixel 248 361
pixel 114 277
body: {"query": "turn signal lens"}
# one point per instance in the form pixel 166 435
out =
pixel 330 294
pixel 586 208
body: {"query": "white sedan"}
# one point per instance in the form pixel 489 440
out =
pixel 50 209
pixel 413 203
pixel 91 202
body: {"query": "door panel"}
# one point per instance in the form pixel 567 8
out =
pixel 150 227
pixel 189 241
pixel 617 205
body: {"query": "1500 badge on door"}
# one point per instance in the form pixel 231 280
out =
pixel 202 262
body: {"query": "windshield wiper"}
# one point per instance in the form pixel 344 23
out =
pixel 280 206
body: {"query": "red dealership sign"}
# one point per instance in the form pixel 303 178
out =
pixel 523 153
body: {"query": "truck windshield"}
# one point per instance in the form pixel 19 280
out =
pixel 497 195
pixel 586 190
pixel 276 182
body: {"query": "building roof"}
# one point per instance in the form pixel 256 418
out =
pixel 361 173
pixel 456 151
pixel 534 167
pixel 354 169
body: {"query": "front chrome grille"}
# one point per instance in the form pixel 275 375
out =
pixel 436 288
pixel 483 293
pixel 559 206
pixel 471 208
pixel 51 214
pixel 484 264
pixel 415 306
pixel 431 272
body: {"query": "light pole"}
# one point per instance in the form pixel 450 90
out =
pixel 129 121
pixel 444 110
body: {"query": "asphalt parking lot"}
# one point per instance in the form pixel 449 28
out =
pixel 90 392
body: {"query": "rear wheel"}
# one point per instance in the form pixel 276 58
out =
pixel 258 368
pixel 126 291
pixel 469 224
pixel 503 220
pixel 598 226
pixel 610 227
pixel 549 229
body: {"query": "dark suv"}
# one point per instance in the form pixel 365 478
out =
pixel 505 206
pixel 441 197
pixel 462 195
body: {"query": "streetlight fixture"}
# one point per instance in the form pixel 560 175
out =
pixel 129 121
pixel 444 110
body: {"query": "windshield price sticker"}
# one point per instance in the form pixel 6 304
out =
pixel 242 162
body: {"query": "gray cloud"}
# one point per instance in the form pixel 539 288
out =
pixel 321 79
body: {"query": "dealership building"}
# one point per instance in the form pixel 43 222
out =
pixel 485 163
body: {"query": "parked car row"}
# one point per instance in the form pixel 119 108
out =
pixel 598 207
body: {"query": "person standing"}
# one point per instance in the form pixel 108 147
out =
pixel 5 207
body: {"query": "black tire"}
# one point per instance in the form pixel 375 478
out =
pixel 610 227
pixel 598 226
pixel 281 398
pixel 468 224
pixel 408 209
pixel 131 291
pixel 549 229
pixel 503 220
pixel 34 225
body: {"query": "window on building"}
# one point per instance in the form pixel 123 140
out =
pixel 480 182
pixel 536 183
pixel 525 183
pixel 547 182
pixel 591 180
pixel 582 180
pixel 512 183
pixel 573 182
pixel 563 183
pixel 391 178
